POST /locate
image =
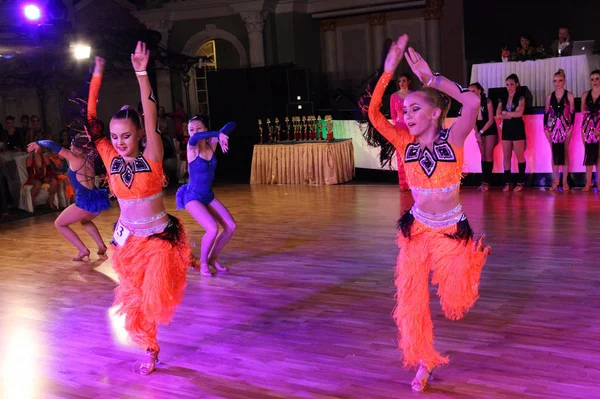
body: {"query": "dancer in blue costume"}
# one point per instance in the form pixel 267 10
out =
pixel 89 200
pixel 198 198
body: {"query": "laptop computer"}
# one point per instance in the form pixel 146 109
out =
pixel 583 47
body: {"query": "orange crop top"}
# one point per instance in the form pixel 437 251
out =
pixel 127 182
pixel 425 169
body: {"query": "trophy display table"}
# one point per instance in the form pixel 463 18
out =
pixel 303 162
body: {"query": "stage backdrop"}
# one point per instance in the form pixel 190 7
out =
pixel 538 153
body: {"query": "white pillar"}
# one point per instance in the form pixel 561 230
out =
pixel 330 39
pixel 433 13
pixel 255 23
pixel 377 22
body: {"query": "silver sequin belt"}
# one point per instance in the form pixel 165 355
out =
pixel 438 221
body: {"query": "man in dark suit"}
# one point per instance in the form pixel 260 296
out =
pixel 563 47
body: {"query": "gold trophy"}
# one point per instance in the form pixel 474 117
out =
pixel 296 127
pixel 313 127
pixel 319 124
pixel 270 130
pixel 287 127
pixel 278 129
pixel 304 127
pixel 260 130
pixel 329 127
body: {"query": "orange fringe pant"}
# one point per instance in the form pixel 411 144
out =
pixel 152 275
pixel 456 270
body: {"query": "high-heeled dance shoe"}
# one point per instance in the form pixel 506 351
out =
pixel 102 252
pixel 149 361
pixel 422 384
pixel 81 256
pixel 205 270
pixel 215 263
pixel 555 185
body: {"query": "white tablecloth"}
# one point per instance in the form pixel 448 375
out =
pixel 537 75
pixel 538 153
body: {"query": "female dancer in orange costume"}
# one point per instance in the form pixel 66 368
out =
pixel 150 248
pixel 434 235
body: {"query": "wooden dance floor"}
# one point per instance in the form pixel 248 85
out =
pixel 305 310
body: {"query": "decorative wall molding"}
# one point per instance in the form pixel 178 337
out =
pixel 377 19
pixel 319 9
pixel 328 26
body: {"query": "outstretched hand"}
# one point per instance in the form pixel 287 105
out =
pixel 33 147
pixel 224 142
pixel 418 65
pixel 99 66
pixel 395 54
pixel 139 59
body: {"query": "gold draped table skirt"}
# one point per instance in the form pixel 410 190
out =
pixel 312 163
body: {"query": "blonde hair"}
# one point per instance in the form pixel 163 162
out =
pixel 560 73
pixel 437 99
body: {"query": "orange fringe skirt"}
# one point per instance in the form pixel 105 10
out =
pixel 152 274
pixel 449 253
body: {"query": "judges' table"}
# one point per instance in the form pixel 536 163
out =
pixel 315 163
pixel 538 153
pixel 537 75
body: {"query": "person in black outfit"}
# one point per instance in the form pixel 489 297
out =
pixel 486 135
pixel 510 113
pixel 11 136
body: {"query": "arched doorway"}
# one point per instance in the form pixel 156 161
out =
pixel 228 52
pixel 223 55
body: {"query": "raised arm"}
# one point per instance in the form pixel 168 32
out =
pixel 465 123
pixel 92 112
pixel 222 135
pixel 399 137
pixel 154 147
pixel 393 107
pixel 57 148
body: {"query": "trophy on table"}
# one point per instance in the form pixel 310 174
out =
pixel 270 130
pixel 287 124
pixel 260 129
pixel 304 127
pixel 319 123
pixel 278 129
pixel 329 127
pixel 313 127
pixel 296 127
